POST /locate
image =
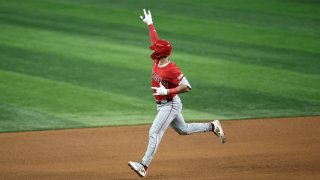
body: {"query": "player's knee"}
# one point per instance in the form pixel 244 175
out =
pixel 182 132
pixel 153 133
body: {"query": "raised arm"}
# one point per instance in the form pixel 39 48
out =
pixel 147 18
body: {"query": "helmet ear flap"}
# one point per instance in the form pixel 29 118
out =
pixel 155 55
pixel 151 47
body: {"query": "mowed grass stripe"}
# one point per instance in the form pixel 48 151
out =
pixel 94 46
pixel 101 76
pixel 78 106
pixel 307 9
pixel 292 8
pixel 279 15
pixel 289 81
pixel 203 28
pixel 240 33
pixel 252 77
pixel 282 14
pixel 77 46
pixel 209 46
pixel 15 119
pixel 262 96
pixel 240 67
pixel 215 71
pixel 33 103
pixel 44 94
pixel 238 103
pixel 246 53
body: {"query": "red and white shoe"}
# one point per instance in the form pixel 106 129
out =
pixel 217 130
pixel 138 168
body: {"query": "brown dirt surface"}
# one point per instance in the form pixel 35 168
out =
pixel 286 148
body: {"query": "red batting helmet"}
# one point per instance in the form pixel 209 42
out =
pixel 162 48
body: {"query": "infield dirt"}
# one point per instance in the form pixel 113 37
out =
pixel 286 148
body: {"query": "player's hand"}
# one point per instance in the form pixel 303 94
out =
pixel 162 91
pixel 147 18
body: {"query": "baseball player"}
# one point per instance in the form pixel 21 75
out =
pixel 167 82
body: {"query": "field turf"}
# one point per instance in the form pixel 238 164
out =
pixel 85 63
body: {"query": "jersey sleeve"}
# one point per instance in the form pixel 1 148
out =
pixel 175 75
pixel 153 35
pixel 185 81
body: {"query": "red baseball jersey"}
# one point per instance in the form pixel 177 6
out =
pixel 169 75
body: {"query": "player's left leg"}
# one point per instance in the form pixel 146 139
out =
pixel 183 128
pixel 179 125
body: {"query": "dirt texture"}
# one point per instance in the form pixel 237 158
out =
pixel 285 148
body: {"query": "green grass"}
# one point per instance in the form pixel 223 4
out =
pixel 81 63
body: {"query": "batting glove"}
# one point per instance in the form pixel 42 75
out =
pixel 162 91
pixel 147 18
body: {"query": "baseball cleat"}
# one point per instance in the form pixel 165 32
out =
pixel 217 130
pixel 138 168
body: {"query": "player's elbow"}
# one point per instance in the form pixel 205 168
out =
pixel 186 88
pixel 183 89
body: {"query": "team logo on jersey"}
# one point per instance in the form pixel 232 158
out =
pixel 158 79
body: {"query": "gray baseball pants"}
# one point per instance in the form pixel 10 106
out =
pixel 170 114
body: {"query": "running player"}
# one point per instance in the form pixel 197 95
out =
pixel 167 82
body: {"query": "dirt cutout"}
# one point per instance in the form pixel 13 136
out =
pixel 286 148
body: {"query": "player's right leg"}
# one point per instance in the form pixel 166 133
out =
pixel 166 113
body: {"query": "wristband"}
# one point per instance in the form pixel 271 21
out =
pixel 172 91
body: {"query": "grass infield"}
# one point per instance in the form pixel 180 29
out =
pixel 85 63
